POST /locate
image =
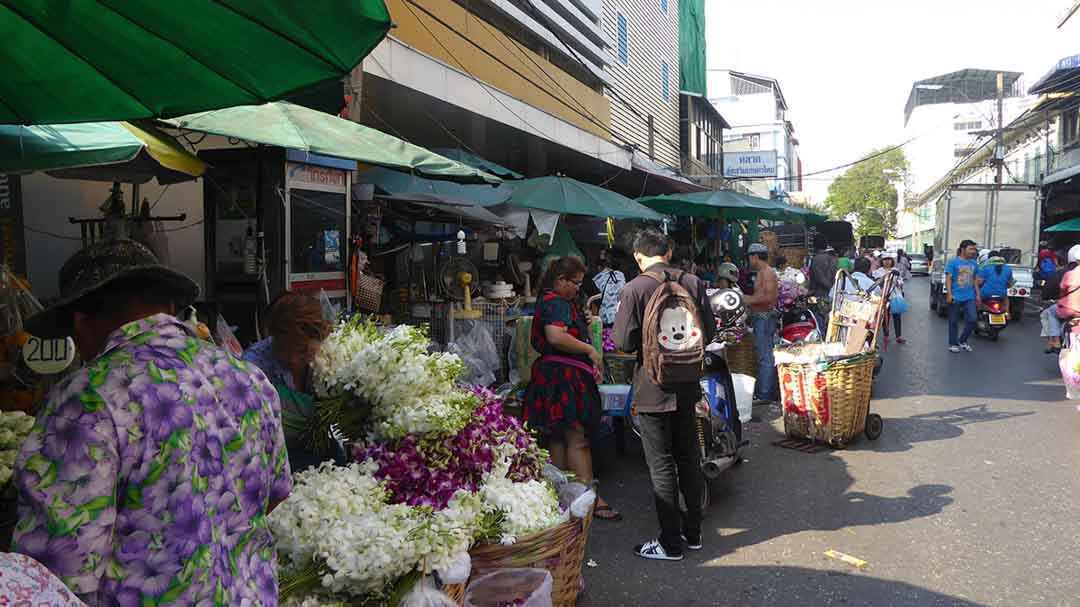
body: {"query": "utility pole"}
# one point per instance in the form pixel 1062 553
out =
pixel 999 161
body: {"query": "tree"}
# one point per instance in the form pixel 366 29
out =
pixel 865 194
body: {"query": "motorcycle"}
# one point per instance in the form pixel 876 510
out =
pixel 992 319
pixel 799 324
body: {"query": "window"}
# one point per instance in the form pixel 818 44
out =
pixel 664 81
pixel 663 6
pixel 967 126
pixel 1070 128
pixel 624 42
pixel 962 151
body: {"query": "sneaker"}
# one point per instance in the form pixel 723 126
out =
pixel 695 545
pixel 954 349
pixel 901 340
pixel 966 347
pixel 654 551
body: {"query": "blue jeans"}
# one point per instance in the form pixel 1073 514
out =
pixel 971 315
pixel 765 326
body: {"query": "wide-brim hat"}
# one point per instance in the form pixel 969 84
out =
pixel 100 265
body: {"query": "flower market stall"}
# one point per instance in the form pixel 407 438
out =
pixel 439 472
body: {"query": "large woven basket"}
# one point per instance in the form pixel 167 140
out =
pixel 456 592
pixel 827 402
pixel 560 550
pixel 368 293
pixel 742 358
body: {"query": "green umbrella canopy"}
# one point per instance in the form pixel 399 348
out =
pixel 101 151
pixel 726 203
pixel 478 163
pixel 566 195
pixel 95 60
pixel 1069 225
pixel 296 127
pixel 405 186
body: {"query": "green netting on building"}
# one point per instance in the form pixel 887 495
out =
pixel 692 46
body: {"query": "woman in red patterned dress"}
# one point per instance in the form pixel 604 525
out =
pixel 562 403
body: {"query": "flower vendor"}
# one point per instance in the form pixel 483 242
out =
pixel 563 402
pixel 149 472
pixel 297 329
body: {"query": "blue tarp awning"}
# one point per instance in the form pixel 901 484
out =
pixel 1063 78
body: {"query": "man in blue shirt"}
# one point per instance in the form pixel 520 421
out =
pixel 961 294
pixel 995 278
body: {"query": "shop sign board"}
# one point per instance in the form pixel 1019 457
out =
pixel 750 164
pixel 302 174
pixel 12 243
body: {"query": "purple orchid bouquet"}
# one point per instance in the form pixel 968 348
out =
pixel 609 339
pixel 791 289
pixel 426 470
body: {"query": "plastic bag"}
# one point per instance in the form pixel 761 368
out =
pixel 425 594
pixel 898 305
pixel 518 587
pixel 458 571
pixel 331 312
pixel 1069 363
pixel 476 348
pixel 226 338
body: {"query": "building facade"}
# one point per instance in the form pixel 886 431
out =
pixel 644 72
pixel 946 120
pixel 757 111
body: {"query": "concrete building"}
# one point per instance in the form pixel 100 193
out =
pixel 756 109
pixel 945 121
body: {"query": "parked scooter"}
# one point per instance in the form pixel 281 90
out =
pixel 799 324
pixel 992 319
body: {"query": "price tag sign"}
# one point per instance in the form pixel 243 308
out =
pixel 48 356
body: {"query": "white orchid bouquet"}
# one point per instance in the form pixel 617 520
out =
pixel 382 385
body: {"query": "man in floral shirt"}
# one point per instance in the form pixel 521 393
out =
pixel 150 471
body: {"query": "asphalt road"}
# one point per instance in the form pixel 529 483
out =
pixel 970 497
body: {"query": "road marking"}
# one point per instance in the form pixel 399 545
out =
pixel 847 558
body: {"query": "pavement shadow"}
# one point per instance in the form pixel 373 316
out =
pixel 902 433
pixel 815 495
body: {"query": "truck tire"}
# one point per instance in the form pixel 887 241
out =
pixel 1016 308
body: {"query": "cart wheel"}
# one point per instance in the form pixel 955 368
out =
pixel 874 424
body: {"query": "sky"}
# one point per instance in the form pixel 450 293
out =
pixel 846 66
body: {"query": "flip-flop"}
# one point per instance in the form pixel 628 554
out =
pixel 607 513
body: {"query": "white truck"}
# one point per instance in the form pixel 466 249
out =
pixel 1006 220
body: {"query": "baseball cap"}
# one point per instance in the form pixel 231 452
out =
pixel 1074 253
pixel 757 247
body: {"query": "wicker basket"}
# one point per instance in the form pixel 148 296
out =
pixel 619 368
pixel 456 592
pixel 560 550
pixel 368 293
pixel 827 402
pixel 742 357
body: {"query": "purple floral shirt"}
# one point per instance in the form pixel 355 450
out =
pixel 148 475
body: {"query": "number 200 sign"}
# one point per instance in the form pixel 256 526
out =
pixel 48 356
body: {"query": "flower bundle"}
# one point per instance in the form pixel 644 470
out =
pixel 609 339
pixel 14 428
pixel 426 470
pixel 338 536
pixel 401 388
pixel 791 289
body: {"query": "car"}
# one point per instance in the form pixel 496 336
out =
pixel 919 264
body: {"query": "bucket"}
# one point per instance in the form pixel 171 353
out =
pixel 613 396
pixel 744 395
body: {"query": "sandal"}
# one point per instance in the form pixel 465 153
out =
pixel 606 512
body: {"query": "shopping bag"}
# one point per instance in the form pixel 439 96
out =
pixel 898 305
pixel 1069 364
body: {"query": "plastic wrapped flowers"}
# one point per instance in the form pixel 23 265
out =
pixel 791 288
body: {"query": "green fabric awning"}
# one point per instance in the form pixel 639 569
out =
pixel 728 204
pixel 1069 225
pixel 100 151
pixel 296 127
pixel 404 186
pixel 692 47
pixel 477 162
pixel 129 59
pixel 573 197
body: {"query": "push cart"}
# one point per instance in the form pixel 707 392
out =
pixel 825 387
